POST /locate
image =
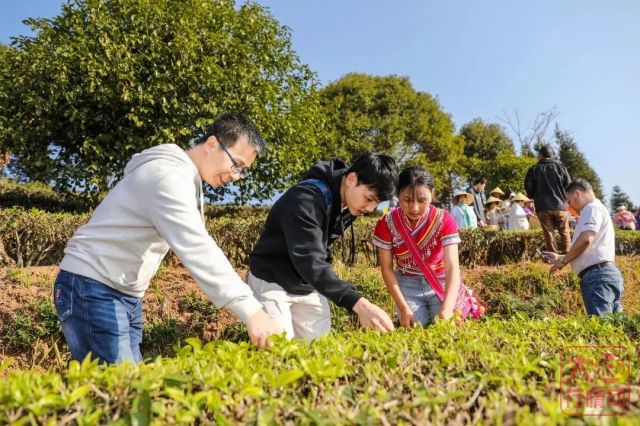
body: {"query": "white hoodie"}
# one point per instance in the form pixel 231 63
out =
pixel 156 206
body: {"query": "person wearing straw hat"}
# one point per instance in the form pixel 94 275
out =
pixel 518 220
pixel 461 210
pixel 497 193
pixel 493 215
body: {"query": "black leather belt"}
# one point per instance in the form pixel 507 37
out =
pixel 596 266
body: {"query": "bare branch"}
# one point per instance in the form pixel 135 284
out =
pixel 534 133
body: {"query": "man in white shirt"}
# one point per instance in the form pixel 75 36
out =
pixel 592 253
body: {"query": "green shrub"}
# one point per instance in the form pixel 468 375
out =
pixel 213 211
pixel 33 237
pixel 160 335
pixel 27 325
pixel 196 303
pixel 509 291
pixel 489 247
pixel 37 195
pixel 522 288
pixel 23 333
pixel 483 372
pixel 236 236
pixel 235 332
pixel 46 315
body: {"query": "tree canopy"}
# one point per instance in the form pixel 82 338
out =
pixel 619 197
pixel 386 114
pixel 485 141
pixel 575 161
pixel 490 153
pixel 108 78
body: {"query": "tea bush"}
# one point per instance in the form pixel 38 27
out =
pixel 40 196
pixel 35 321
pixel 34 237
pixel 483 372
pixel 509 290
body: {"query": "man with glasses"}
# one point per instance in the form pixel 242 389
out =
pixel 157 206
pixel 236 168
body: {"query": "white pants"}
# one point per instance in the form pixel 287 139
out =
pixel 301 316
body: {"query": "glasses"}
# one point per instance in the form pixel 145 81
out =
pixel 236 168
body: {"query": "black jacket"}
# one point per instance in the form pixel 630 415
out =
pixel 479 199
pixel 293 248
pixel 545 183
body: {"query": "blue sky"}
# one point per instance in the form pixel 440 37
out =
pixel 480 58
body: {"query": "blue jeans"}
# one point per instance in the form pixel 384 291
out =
pixel 602 290
pixel 98 319
pixel 421 298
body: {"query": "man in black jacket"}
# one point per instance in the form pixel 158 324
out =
pixel 479 199
pixel 545 184
pixel 290 269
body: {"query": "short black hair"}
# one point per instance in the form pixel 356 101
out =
pixel 479 179
pixel 377 171
pixel 546 151
pixel 413 177
pixel 579 184
pixel 230 126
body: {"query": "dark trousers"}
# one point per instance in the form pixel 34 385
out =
pixel 552 220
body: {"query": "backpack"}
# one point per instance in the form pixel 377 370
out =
pixel 323 187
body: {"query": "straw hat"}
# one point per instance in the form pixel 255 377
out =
pixel 492 199
pixel 520 197
pixel 496 190
pixel 459 192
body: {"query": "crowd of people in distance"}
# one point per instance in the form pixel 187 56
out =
pixel 471 209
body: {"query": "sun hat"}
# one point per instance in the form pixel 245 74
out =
pixel 520 197
pixel 497 190
pixel 492 199
pixel 459 192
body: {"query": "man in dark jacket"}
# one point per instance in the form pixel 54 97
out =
pixel 290 269
pixel 479 199
pixel 545 184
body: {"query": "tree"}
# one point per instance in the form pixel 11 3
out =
pixel 386 114
pixel 576 163
pixel 506 171
pixel 5 156
pixel 108 78
pixel 619 197
pixel 485 141
pixel 490 152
